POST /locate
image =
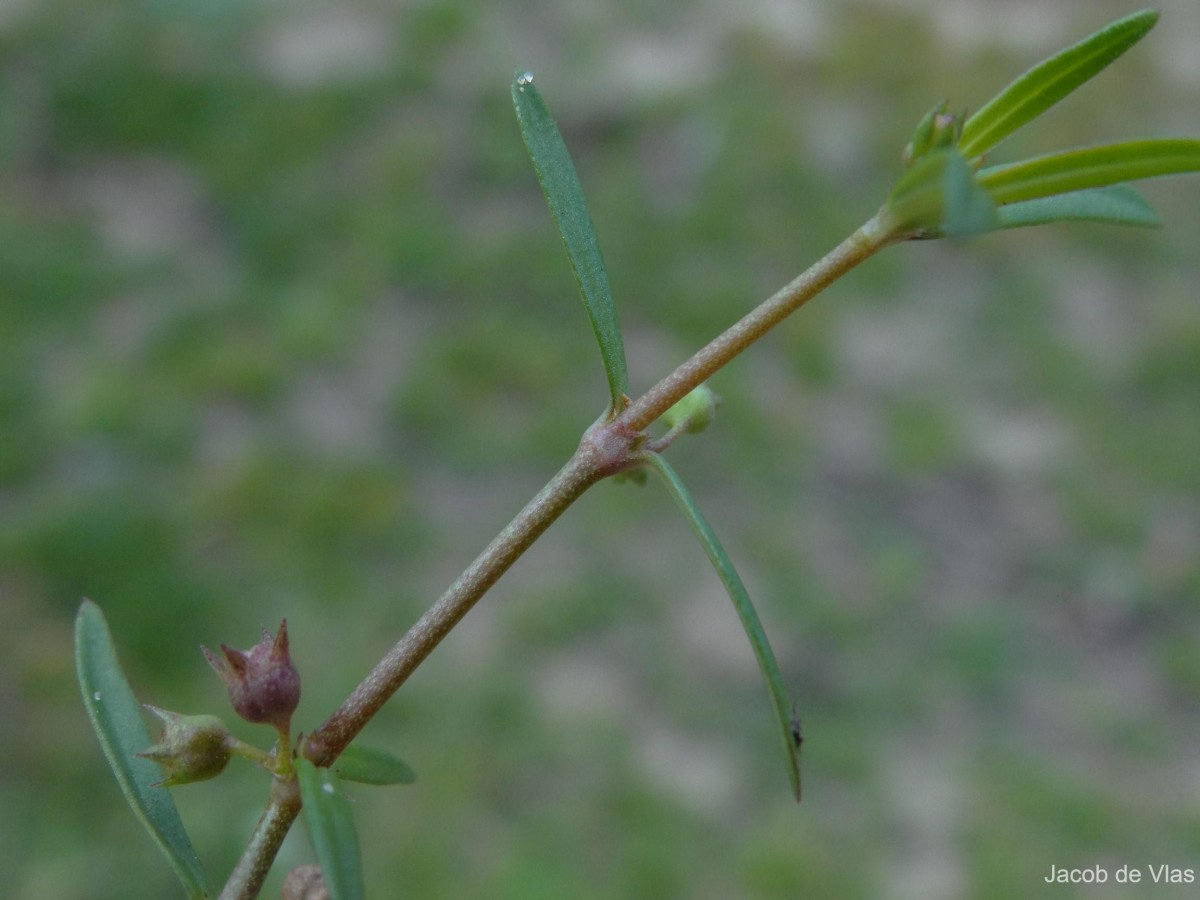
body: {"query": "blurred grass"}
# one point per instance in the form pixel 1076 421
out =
pixel 285 330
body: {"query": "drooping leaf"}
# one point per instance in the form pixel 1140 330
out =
pixel 368 765
pixel 1118 204
pixel 721 562
pixel 118 723
pixel 331 829
pixel 564 195
pixel 1050 81
pixel 1089 167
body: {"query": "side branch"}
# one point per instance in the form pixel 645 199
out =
pixel 857 248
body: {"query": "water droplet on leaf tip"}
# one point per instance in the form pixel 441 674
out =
pixel 523 79
pixel 327 788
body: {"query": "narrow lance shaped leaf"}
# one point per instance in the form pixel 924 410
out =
pixel 368 765
pixel 1118 204
pixel 787 729
pixel 1090 167
pixel 117 720
pixel 1050 81
pixel 331 829
pixel 564 195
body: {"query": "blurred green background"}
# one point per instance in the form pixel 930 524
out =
pixel 285 330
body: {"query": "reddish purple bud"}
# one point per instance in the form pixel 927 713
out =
pixel 263 684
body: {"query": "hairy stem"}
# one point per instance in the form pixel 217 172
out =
pixel 864 243
pixel 283 805
pixel 580 473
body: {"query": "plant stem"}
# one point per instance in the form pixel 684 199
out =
pixel 283 805
pixel 580 473
pixel 872 237
pixel 607 447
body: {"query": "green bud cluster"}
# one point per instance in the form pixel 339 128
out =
pixel 936 130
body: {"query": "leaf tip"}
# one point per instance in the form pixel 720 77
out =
pixel 522 81
pixel 1149 15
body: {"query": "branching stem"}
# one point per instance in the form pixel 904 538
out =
pixel 607 447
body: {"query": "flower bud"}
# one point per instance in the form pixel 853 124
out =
pixel 636 476
pixel 936 130
pixel 192 748
pixel 263 684
pixel 695 411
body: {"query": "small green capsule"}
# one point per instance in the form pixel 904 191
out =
pixel 192 748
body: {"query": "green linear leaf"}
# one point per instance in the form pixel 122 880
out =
pixel 118 723
pixel 564 195
pixel 1090 167
pixel 368 765
pixel 1118 204
pixel 745 610
pixel 331 829
pixel 1050 81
